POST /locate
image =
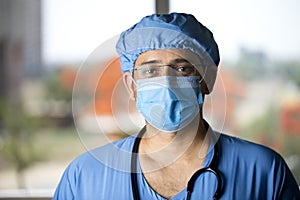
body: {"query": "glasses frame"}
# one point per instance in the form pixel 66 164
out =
pixel 176 67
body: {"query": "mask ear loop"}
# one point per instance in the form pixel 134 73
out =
pixel 200 98
pixel 134 85
pixel 200 95
pixel 132 78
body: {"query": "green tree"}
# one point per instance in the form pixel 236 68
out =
pixel 18 130
pixel 290 71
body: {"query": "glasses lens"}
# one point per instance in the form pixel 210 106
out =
pixel 154 70
pixel 185 70
pixel 148 71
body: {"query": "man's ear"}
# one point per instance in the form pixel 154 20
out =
pixel 204 88
pixel 128 82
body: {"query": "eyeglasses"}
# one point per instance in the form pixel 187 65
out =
pixel 154 70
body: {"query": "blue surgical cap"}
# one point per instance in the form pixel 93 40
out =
pixel 166 31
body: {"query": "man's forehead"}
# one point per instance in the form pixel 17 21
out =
pixel 160 56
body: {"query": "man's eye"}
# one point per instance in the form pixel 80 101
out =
pixel 149 70
pixel 185 69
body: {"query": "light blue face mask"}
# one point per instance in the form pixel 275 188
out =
pixel 169 103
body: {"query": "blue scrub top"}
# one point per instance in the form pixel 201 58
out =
pixel 248 171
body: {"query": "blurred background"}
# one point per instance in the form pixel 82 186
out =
pixel 45 43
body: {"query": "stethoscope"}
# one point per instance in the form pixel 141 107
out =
pixel 190 186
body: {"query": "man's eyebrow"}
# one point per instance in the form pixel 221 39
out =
pixel 150 62
pixel 177 60
pixel 180 60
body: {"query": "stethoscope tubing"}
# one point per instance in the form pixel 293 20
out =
pixel 134 165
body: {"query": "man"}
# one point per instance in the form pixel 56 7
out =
pixel 169 63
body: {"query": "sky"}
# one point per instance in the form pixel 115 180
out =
pixel 72 29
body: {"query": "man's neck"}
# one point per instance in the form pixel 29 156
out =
pixel 162 149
